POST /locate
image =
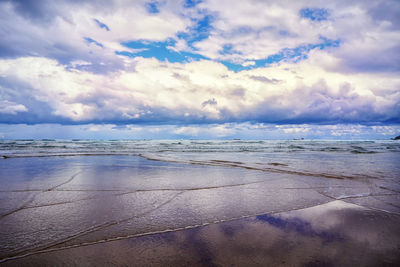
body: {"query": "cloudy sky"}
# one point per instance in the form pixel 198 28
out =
pixel 199 69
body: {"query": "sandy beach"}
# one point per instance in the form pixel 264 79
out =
pixel 333 234
pixel 201 209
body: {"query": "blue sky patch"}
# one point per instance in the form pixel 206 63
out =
pixel 162 51
pixel 200 31
pixel 90 41
pixel 159 50
pixel 102 25
pixel 314 14
pixel 228 50
pixel 192 3
pixel 152 7
pixel 294 54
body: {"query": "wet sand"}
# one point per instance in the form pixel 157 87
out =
pixel 332 234
pixel 127 210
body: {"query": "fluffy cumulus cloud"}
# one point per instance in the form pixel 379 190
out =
pixel 8 107
pixel 187 63
pixel 198 92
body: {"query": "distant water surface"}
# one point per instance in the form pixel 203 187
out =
pixel 375 159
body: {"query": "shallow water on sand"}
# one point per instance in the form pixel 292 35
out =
pixel 332 234
pixel 49 202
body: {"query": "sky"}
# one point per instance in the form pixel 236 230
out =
pixel 200 69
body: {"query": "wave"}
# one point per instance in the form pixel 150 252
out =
pixel 235 164
pixel 273 167
pixel 9 147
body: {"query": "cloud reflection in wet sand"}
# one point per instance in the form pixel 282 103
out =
pixel 332 234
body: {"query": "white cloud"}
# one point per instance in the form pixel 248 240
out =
pixel 296 130
pixel 62 36
pixel 187 130
pixel 7 107
pixel 257 29
pixel 174 91
pixel 248 63
pixel 254 29
pixel 99 127
pixel 209 131
pixel 386 130
pixel 78 63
